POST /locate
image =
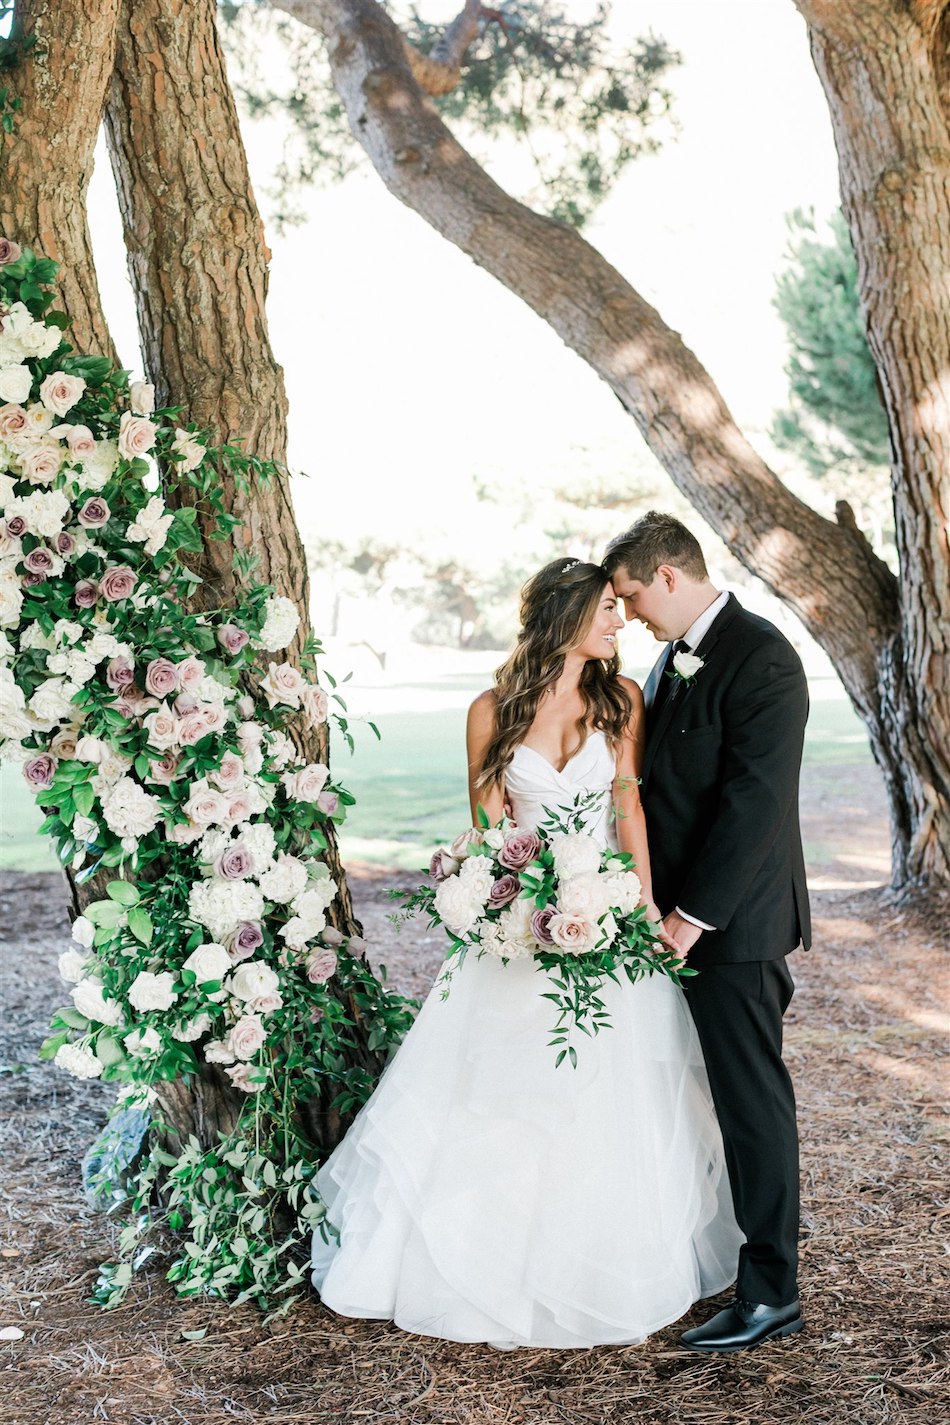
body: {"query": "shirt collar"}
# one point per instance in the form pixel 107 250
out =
pixel 698 629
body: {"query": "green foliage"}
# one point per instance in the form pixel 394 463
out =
pixel 15 47
pixel 835 420
pixel 579 110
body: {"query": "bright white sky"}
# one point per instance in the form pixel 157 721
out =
pixel 409 369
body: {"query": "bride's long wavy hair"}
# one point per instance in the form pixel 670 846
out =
pixel 557 608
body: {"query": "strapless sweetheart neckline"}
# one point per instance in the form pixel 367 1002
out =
pixel 559 771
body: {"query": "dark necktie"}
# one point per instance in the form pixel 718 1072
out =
pixel 668 680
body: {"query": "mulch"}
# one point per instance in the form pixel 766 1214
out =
pixel 866 1045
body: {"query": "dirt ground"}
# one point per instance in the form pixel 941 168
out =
pixel 866 1044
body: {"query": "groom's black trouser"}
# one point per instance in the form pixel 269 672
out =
pixel 737 1010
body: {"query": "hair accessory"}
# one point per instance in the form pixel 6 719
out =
pixel 571 564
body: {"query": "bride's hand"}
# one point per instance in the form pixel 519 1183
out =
pixel 662 934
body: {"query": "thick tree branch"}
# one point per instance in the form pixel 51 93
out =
pixel 47 160
pixel 827 574
pixel 437 72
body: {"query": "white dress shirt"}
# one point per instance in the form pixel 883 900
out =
pixel 694 636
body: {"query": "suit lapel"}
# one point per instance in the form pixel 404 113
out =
pixel 704 650
pixel 652 683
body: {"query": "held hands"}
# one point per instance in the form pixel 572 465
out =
pixel 664 935
pixel 683 934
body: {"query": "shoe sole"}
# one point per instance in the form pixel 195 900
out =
pixel 788 1329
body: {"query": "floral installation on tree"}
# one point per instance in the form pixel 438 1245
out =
pixel 159 739
pixel 554 894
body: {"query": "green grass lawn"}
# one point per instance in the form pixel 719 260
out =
pixel 410 787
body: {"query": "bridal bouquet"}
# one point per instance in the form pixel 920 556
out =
pixel 553 894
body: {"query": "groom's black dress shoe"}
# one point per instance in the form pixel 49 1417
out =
pixel 744 1324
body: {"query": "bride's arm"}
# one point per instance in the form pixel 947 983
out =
pixel 478 734
pixel 631 822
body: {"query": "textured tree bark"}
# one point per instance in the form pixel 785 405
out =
pixel 198 262
pixel 46 163
pixel 885 82
pixel 827 574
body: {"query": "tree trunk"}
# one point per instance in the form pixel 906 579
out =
pixel 883 66
pixel 826 573
pixel 46 163
pixel 198 263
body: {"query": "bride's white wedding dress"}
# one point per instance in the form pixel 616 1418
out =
pixel 483 1195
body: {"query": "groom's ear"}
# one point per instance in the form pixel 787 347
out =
pixel 669 574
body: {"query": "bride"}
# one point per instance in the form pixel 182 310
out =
pixel 481 1194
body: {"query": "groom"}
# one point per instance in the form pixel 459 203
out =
pixel 725 716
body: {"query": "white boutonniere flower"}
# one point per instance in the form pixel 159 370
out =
pixel 686 666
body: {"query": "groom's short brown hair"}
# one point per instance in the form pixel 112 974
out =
pixel 655 539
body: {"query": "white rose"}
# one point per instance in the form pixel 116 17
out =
pixel 623 891
pixel 204 804
pixel 306 784
pixel 687 665
pixel 84 932
pixel 39 340
pixel 59 392
pixel 129 810
pixel 287 879
pixel 283 685
pixel 152 991
pixel 89 998
pixel 51 701
pixel 192 1029
pixel 253 980
pixel 142 1042
pixel 246 1037
pixel 15 383
pixel 79 1062
pixel 142 398
pixel 136 436
pixel 191 449
pixel 515 925
pixel 587 895
pixel 208 962
pixel 281 621
pixel 574 933
pixel 494 837
pixel 162 726
pixel 151 525
pixel 73 966
pixel 456 906
pixel 216 1051
pixel 574 854
pixel 298 931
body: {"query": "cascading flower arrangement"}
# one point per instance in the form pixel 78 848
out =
pixel 555 895
pixel 159 741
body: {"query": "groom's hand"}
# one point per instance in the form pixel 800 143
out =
pixel 684 932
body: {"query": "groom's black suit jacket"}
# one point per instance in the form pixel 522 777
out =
pixel 720 790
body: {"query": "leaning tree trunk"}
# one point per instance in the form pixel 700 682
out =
pixel 46 163
pixel 198 263
pixel 884 67
pixel 826 573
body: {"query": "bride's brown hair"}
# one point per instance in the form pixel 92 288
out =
pixel 557 608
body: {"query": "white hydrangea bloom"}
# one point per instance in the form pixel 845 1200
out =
pixel 286 880
pixel 281 621
pixel 128 808
pixel 78 1061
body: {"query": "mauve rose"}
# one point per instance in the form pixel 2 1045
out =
pixel 357 945
pixel 321 966
pixel 117 583
pixel 235 862
pixel 539 925
pixel 120 672
pixel 241 1077
pixel 81 442
pixel 136 436
pixel 39 561
pixel 85 594
pixel 503 891
pixel 30 581
pixel 13 421
pixel 185 704
pixel 246 939
pixel 443 865
pixel 190 673
pixel 39 771
pixel 94 513
pixel 161 677
pixel 65 544
pixel 328 803
pixel 163 771
pixel 332 937
pixel 519 850
pixel 232 638
pixel 16 526
pixel 9 252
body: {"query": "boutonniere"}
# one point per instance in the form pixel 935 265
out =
pixel 686 666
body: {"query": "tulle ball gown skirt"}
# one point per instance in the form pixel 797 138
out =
pixel 483 1195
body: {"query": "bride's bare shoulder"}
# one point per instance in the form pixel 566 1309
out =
pixel 481 712
pixel 634 691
